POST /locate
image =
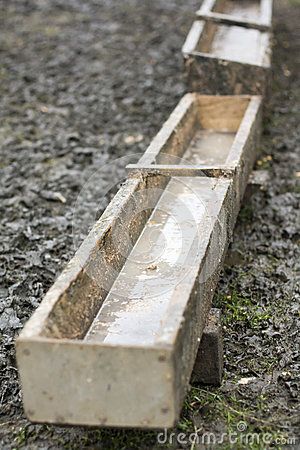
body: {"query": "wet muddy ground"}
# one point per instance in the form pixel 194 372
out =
pixel 83 83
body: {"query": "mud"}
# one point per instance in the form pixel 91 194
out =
pixel 84 82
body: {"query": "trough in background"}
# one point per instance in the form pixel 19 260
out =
pixel 255 14
pixel 227 59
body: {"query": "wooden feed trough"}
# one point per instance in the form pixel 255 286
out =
pixel 227 59
pixel 214 136
pixel 114 341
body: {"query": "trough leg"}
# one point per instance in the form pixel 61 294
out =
pixel 258 180
pixel 208 366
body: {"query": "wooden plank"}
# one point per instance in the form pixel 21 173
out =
pixel 208 368
pixel 256 14
pixel 181 170
pixel 219 50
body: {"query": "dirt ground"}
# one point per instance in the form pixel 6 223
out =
pixel 82 83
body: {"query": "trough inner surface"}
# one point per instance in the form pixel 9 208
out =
pixel 209 147
pixel 248 10
pixel 147 300
pixel 236 43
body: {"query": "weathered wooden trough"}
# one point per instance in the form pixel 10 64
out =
pixel 115 339
pixel 221 58
pixel 213 136
pixel 255 14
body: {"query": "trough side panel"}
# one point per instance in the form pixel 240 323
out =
pixel 196 313
pixel 79 384
pixel 174 135
pixel 222 113
pixel 210 75
pixel 248 139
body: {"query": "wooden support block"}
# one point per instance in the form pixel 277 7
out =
pixel 258 180
pixel 208 368
pixel 227 59
pixel 255 14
